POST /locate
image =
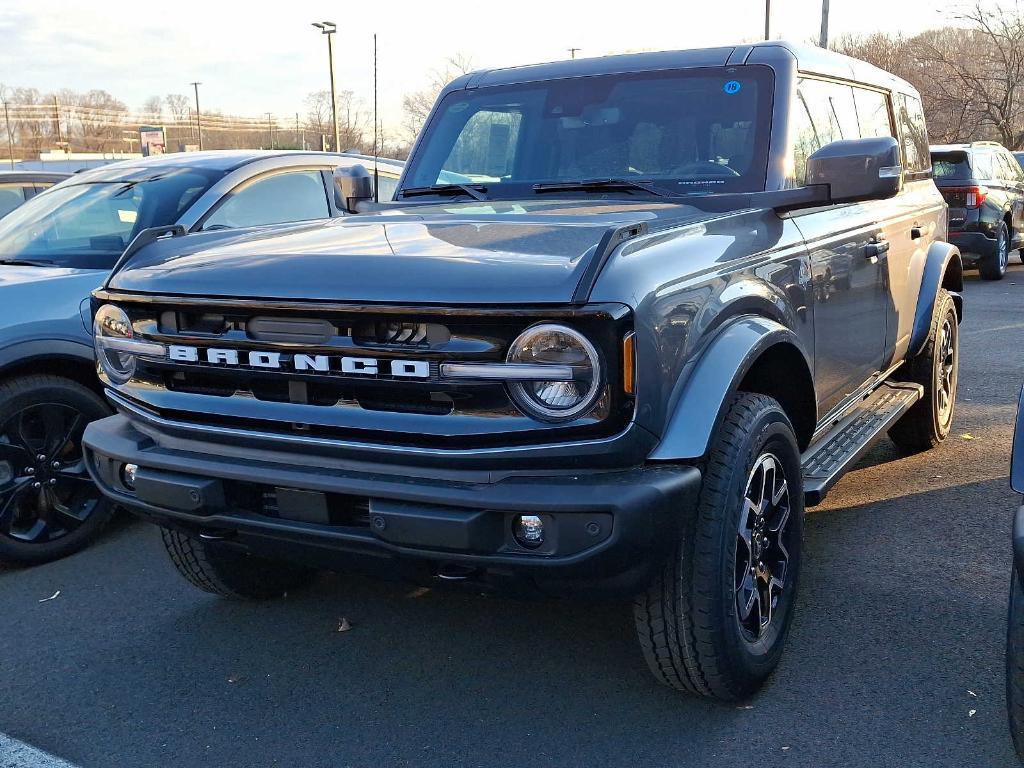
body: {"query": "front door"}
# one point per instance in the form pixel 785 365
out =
pixel 848 250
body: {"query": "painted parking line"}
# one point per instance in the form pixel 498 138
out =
pixel 17 754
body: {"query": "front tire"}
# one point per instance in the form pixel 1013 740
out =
pixel 714 622
pixel 930 419
pixel 230 573
pixel 49 506
pixel 993 266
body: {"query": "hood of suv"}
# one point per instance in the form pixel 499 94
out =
pixel 483 253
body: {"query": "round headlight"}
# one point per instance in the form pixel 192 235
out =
pixel 556 400
pixel 111 323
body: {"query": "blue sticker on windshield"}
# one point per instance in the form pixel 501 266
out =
pixel 733 86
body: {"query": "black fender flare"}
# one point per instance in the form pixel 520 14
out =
pixel 940 256
pixel 705 386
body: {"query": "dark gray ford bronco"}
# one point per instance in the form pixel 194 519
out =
pixel 624 319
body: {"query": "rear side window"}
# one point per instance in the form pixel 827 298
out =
pixel 913 133
pixel 983 165
pixel 951 165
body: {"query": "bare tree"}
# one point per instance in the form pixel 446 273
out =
pixel 153 107
pixel 417 105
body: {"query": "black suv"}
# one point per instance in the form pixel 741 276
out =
pixel 984 186
pixel 624 318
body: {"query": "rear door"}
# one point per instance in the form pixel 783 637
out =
pixel 916 218
pixel 847 253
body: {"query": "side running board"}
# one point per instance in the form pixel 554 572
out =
pixel 841 447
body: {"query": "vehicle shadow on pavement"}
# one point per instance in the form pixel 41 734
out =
pixel 896 640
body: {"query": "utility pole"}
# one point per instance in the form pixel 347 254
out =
pixel 56 124
pixel 300 135
pixel 823 40
pixel 573 51
pixel 329 28
pixel 199 120
pixel 767 19
pixel 270 127
pixel 10 136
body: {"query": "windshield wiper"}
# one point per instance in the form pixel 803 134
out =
pixel 602 185
pixel 476 191
pixel 27 263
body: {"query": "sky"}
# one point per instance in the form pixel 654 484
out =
pixel 257 57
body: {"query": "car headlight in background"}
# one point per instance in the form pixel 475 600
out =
pixel 557 400
pixel 116 345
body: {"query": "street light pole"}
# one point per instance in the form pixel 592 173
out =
pixel 823 40
pixel 199 121
pixel 767 19
pixel 329 28
pixel 10 136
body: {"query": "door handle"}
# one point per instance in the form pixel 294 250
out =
pixel 876 248
pixel 916 233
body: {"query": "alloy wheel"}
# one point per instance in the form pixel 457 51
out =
pixel 45 490
pixel 946 359
pixel 762 547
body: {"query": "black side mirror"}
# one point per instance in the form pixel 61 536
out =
pixel 858 169
pixel 352 185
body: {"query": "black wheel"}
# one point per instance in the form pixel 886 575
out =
pixel 49 506
pixel 227 572
pixel 928 422
pixel 1015 663
pixel 993 266
pixel 714 622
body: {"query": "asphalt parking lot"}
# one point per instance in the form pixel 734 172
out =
pixel 896 657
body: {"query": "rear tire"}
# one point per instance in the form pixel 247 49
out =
pixel 230 573
pixel 1015 663
pixel 993 266
pixel 930 419
pixel 696 622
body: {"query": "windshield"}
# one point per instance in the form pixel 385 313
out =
pixel 698 130
pixel 89 225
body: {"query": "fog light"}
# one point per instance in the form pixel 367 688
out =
pixel 128 473
pixel 528 531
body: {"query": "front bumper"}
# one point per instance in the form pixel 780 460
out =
pixel 606 532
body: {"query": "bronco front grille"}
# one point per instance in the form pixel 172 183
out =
pixel 311 388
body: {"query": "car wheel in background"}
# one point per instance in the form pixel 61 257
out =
pixel 49 506
pixel 993 266
pixel 714 622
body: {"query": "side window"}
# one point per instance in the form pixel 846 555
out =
pixel 1010 168
pixel 485 150
pixel 824 112
pixel 388 185
pixel 872 113
pixel 11 196
pixel 983 166
pixel 277 199
pixel 913 133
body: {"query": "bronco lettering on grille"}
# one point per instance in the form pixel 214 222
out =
pixel 356 366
